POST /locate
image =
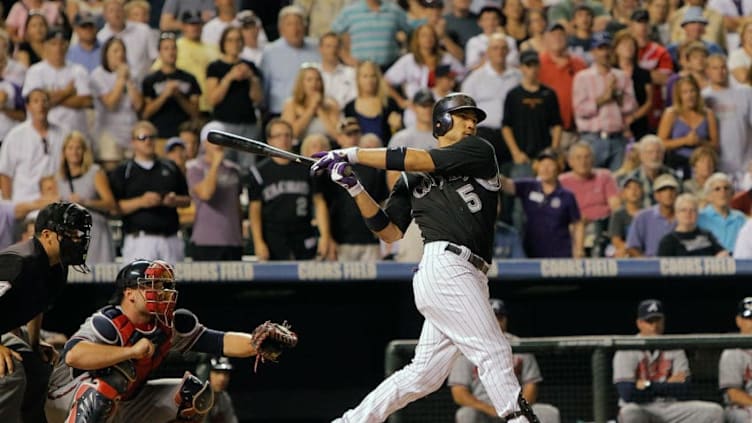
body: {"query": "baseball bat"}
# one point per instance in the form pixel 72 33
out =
pixel 234 141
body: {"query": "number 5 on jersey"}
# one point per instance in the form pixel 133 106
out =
pixel 470 198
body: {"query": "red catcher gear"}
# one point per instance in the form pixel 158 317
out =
pixel 159 334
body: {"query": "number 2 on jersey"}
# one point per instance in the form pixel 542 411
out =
pixel 301 206
pixel 470 198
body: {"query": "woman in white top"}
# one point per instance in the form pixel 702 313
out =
pixel 416 69
pixel 308 110
pixel 80 181
pixel 740 60
pixel 118 100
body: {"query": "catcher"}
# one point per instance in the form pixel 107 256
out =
pixel 103 372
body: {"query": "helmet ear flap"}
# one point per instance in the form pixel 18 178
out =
pixel 442 124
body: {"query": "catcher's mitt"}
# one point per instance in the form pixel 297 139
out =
pixel 270 339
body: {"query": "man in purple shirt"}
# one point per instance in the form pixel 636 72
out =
pixel 651 224
pixel 554 227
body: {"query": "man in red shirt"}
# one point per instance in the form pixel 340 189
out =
pixel 595 190
pixel 557 70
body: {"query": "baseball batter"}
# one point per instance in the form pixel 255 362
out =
pixel 735 371
pixel 452 193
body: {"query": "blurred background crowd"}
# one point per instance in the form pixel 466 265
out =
pixel 623 128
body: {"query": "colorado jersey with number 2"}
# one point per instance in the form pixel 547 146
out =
pixel 456 202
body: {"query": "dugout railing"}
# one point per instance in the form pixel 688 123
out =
pixel 577 373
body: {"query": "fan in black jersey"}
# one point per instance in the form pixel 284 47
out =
pixel 283 198
pixel 452 192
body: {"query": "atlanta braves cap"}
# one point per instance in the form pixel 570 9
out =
pixel 649 308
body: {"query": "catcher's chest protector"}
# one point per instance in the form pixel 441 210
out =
pixel 159 334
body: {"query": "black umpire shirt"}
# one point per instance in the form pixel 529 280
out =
pixel 28 284
pixel 455 203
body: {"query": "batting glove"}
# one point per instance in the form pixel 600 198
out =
pixel 327 158
pixel 342 174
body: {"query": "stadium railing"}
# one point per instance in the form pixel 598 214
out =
pixel 577 373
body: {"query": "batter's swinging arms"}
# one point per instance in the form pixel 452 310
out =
pixel 452 192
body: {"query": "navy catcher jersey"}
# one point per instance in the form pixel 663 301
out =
pixel 457 202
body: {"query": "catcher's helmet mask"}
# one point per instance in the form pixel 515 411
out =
pixel 158 288
pixel 155 282
pixel 452 103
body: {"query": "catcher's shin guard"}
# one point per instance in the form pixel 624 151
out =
pixel 194 399
pixel 525 411
pixel 96 400
pixel 93 402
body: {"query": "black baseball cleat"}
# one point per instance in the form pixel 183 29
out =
pixel 525 411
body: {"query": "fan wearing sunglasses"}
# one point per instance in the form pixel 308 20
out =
pixel 717 217
pixel 148 191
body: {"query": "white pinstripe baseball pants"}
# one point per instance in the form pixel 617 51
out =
pixel 453 297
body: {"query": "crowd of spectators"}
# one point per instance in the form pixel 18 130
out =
pixel 622 128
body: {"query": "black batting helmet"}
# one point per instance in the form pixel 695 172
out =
pixel 454 102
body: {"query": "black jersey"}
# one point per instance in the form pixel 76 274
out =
pixel 169 117
pixel 130 180
pixel 28 284
pixel 285 191
pixel 455 203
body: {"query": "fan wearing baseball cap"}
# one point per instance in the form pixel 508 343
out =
pixel 734 379
pixel 631 194
pixel 655 385
pixel 531 117
pixel 692 26
pixel 651 224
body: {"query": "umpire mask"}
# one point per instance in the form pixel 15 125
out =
pixel 72 224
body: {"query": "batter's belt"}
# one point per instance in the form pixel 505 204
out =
pixel 475 260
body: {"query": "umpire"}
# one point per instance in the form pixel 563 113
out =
pixel 32 275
